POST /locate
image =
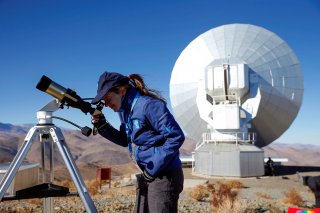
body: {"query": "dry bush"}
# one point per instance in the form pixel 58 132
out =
pixel 232 205
pixel 199 193
pixel 93 186
pixel 263 195
pixel 67 183
pixel 293 198
pixel 234 184
pixel 221 193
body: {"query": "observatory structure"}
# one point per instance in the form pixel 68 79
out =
pixel 235 89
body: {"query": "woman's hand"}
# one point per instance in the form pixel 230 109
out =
pixel 98 121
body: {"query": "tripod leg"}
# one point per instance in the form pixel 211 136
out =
pixel 16 163
pixel 58 138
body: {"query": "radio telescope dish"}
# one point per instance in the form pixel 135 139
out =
pixel 268 92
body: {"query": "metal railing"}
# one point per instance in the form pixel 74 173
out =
pixel 229 137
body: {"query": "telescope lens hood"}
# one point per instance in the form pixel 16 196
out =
pixel 44 83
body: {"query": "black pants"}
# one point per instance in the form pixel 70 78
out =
pixel 161 195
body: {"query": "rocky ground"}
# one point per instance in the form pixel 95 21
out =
pixel 264 194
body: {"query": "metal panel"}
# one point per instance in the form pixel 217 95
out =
pixel 27 176
pixel 229 160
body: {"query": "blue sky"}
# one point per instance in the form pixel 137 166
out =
pixel 74 41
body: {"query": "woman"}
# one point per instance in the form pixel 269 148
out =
pixel 147 124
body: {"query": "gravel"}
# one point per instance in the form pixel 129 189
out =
pixel 265 194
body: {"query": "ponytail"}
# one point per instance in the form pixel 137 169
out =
pixel 139 84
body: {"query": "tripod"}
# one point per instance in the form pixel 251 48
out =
pixel 43 129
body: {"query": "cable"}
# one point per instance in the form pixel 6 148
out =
pixel 63 119
pixel 84 130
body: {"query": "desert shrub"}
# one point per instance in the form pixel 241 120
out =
pixel 221 193
pixel 93 186
pixel 293 198
pixel 199 193
pixel 231 206
pixel 263 195
pixel 234 184
pixel 67 183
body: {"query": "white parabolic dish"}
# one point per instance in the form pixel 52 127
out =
pixel 274 75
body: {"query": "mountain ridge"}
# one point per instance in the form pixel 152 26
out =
pixel 89 153
pixel 93 152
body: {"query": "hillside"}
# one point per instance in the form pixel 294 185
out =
pixel 89 152
pixel 94 151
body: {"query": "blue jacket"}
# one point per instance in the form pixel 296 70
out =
pixel 153 130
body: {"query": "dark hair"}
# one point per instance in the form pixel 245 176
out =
pixel 137 81
pixel 139 84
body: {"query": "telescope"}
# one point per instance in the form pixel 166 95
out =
pixel 68 98
pixel 46 131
